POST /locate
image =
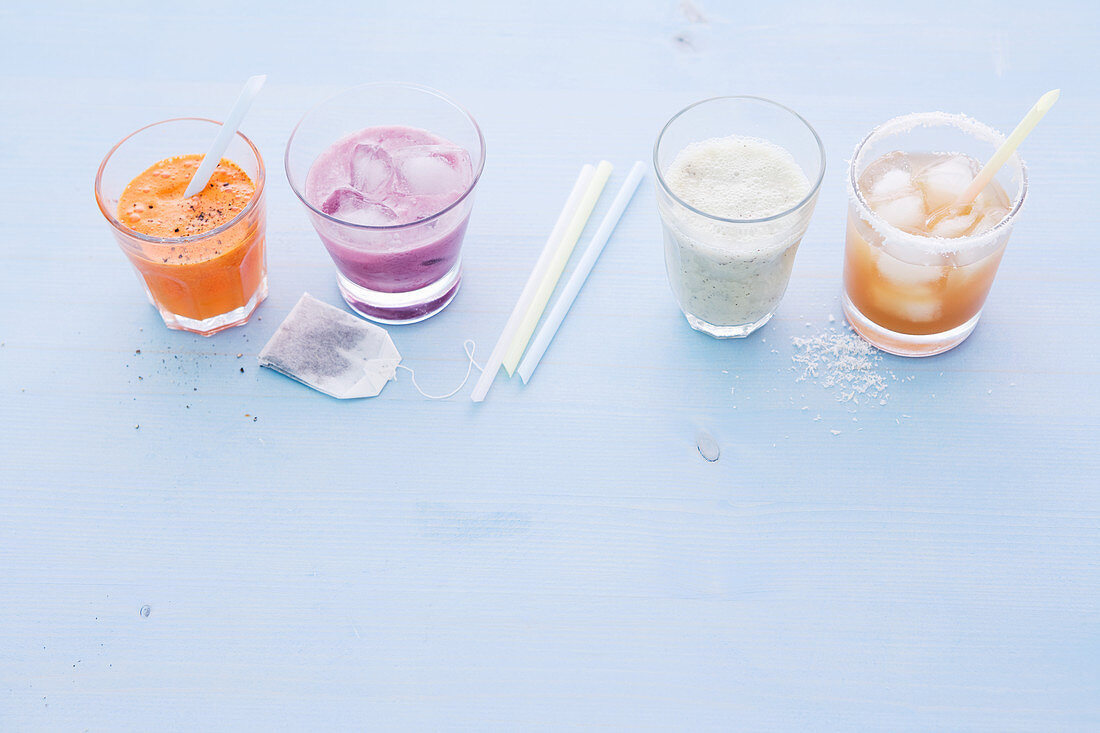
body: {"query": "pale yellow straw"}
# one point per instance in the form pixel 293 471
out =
pixel 553 273
pixel 1027 124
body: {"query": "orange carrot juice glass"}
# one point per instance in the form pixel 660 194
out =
pixel 202 259
pixel 916 270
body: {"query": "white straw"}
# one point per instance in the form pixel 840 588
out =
pixel 225 135
pixel 496 358
pixel 557 265
pixel 1027 124
pixel 580 274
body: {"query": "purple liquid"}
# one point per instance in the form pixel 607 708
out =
pixel 378 182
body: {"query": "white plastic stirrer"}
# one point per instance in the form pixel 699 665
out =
pixel 1027 124
pixel 580 274
pixel 225 135
pixel 496 358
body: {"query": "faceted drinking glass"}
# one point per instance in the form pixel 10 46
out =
pixel 205 282
pixel 728 275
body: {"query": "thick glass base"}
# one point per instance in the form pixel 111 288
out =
pixel 725 332
pixel 398 308
pixel 905 344
pixel 210 326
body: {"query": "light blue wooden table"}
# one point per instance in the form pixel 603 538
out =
pixel 560 556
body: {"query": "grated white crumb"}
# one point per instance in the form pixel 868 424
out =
pixel 843 362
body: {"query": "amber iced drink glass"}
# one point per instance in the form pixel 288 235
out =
pixel 208 281
pixel 915 282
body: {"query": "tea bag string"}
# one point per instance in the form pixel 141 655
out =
pixel 469 347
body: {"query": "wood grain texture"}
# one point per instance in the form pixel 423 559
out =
pixel 560 556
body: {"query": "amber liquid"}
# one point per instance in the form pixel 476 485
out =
pixel 949 297
pixel 920 299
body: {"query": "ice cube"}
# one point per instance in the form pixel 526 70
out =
pixel 956 223
pixel 990 218
pixel 905 304
pixel 920 312
pixel 904 212
pixel 371 170
pixel 945 179
pixel 889 191
pixel 433 169
pixel 887 177
pixel 905 274
pixel 347 204
pixel 892 183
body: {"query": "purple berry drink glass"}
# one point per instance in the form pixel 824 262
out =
pixel 387 173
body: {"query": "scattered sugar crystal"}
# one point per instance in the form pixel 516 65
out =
pixel 843 362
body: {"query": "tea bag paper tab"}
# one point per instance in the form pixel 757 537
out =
pixel 332 351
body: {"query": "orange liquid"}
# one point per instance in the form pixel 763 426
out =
pixel 204 277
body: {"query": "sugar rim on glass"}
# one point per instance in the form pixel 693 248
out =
pixel 906 123
pixel 805 200
pixel 261 177
pixel 392 227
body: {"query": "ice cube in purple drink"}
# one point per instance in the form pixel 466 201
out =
pixel 371 171
pixel 428 170
pixel 347 204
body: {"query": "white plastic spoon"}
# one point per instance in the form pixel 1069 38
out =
pixel 225 135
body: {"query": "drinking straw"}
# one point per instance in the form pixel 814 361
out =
pixel 492 366
pixel 588 260
pixel 1027 124
pixel 557 264
pixel 225 135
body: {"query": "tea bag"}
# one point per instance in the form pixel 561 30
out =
pixel 332 351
